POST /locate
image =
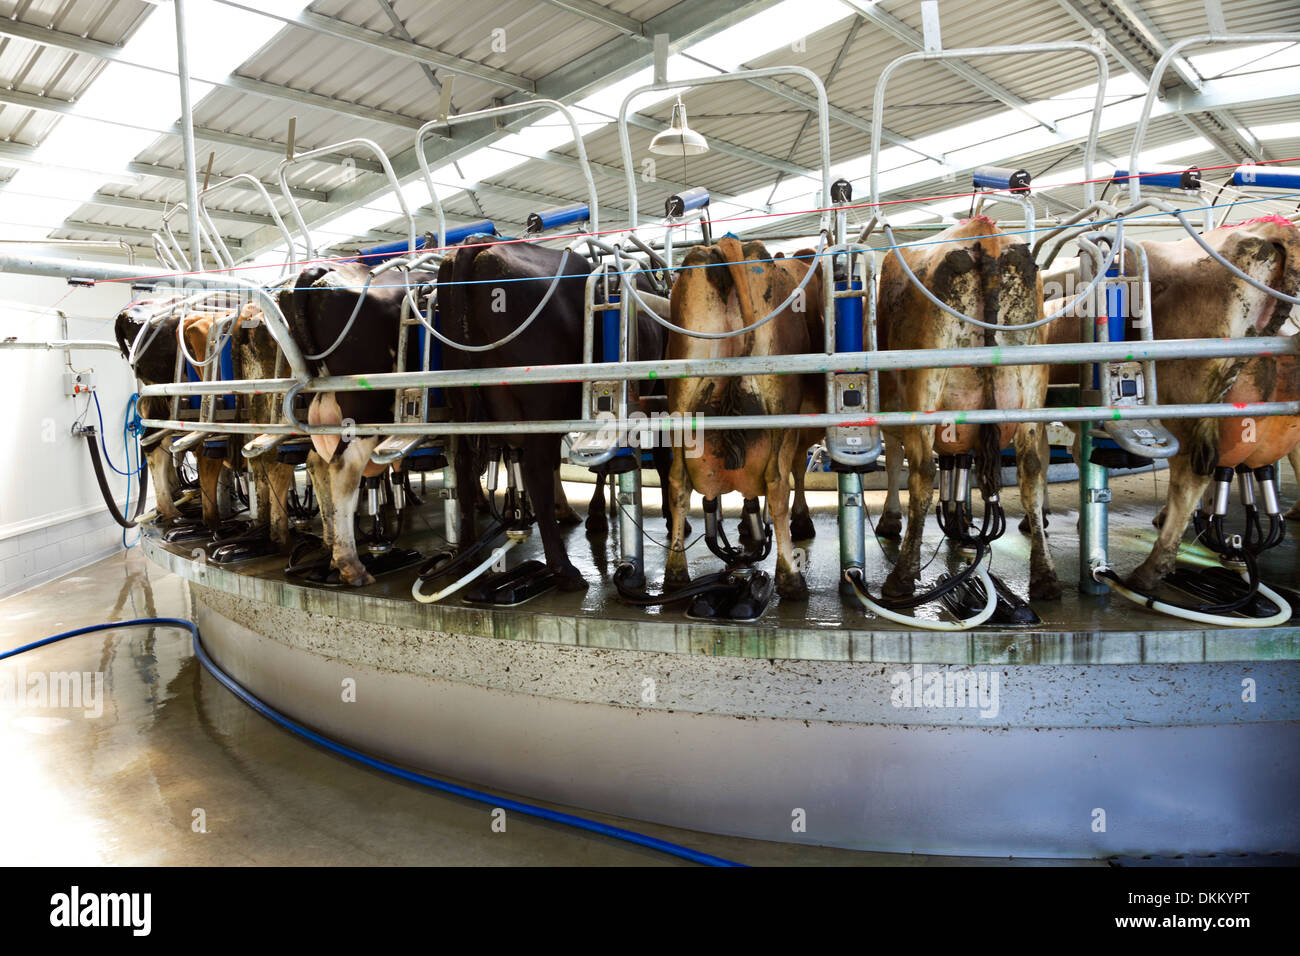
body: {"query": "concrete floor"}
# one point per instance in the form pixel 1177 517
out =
pixel 124 788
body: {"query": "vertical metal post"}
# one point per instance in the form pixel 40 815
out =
pixel 187 137
pixel 623 323
pixel 1094 480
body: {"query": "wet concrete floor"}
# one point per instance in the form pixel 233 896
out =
pixel 165 766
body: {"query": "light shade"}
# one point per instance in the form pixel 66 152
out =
pixel 679 139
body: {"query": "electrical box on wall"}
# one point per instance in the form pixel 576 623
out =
pixel 78 383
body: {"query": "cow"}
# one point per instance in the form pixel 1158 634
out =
pixel 318 307
pixel 725 287
pixel 1192 296
pixel 155 365
pixel 978 271
pixel 486 290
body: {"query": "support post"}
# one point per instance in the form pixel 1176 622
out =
pixel 187 137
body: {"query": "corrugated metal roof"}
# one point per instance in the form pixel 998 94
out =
pixel 542 38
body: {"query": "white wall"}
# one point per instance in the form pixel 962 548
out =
pixel 52 517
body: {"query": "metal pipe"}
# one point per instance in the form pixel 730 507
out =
pixel 187 135
pixel 995 416
pixel 282 172
pixel 553 105
pixel 1021 49
pixel 1153 87
pixel 63 344
pixel 104 272
pixel 812 363
pixel 823 126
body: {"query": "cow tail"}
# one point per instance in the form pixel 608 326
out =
pixel 456 318
pixel 989 455
pixel 1288 283
pixel 734 257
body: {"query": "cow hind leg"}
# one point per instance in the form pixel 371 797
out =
pixel 790 583
pixel 279 477
pixel 209 481
pixel 1044 458
pixel 564 513
pixel 663 459
pixel 1294 513
pixel 345 488
pixel 890 524
pixel 918 443
pixel 162 470
pixel 678 490
pixel 540 459
pixel 318 470
pixel 469 489
pixel 597 522
pixel 1185 490
pixel 1031 475
pixel 801 523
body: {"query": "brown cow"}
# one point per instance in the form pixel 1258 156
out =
pixel 982 273
pixel 721 288
pixel 1192 296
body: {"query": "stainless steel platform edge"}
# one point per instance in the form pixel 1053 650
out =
pixel 758 641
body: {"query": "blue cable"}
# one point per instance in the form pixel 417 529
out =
pixel 433 783
pixel 131 427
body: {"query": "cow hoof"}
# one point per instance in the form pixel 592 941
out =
pixel 898 586
pixel 791 586
pixel 1145 579
pixel 1045 589
pixel 801 528
pixel 1293 514
pixel 890 526
pixel 676 578
pixel 567 519
pixel 597 526
pixel 570 579
pixel 356 578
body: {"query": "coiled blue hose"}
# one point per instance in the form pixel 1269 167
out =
pixel 433 783
pixel 131 428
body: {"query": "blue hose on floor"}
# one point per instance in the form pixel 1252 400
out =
pixel 433 783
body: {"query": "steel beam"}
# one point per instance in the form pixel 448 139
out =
pixel 343 30
pixel 59 40
pixel 891 24
pixel 687 22
pixel 598 13
pixel 130 232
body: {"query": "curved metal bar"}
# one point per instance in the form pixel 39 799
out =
pixel 553 105
pixel 282 173
pixel 550 291
pixel 164 255
pixel 270 205
pixel 812 268
pixel 1065 309
pixel 1094 131
pixel 1153 88
pixel 823 126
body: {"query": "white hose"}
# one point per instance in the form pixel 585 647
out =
pixel 636 295
pixel 459 583
pixel 1281 617
pixel 990 605
pixel 550 291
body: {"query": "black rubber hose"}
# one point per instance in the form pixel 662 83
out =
pixel 1252 572
pixel 92 442
pixel 710 584
pixel 939 590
